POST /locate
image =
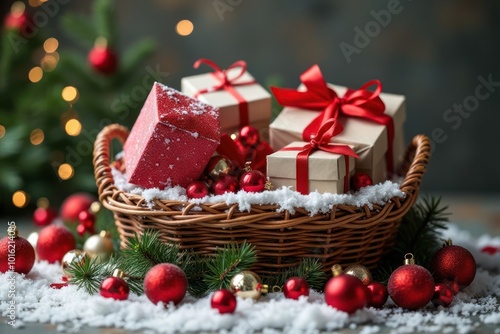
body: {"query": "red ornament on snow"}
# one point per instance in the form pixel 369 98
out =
pixel 295 287
pixel 115 287
pixel 249 136
pixel 44 216
pixel 453 263
pixel 377 294
pixel 454 287
pixel 492 250
pixel 53 242
pixel 102 59
pixel 360 180
pixel 197 189
pixel 225 184
pixel 223 301
pixel 411 286
pixel 165 283
pixel 74 204
pixel 24 257
pixel 253 181
pixel 443 295
pixel 345 292
pixel 87 223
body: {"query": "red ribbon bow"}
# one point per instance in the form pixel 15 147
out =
pixel 320 142
pixel 228 84
pixel 360 103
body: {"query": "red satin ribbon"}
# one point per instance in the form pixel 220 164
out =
pixel 325 133
pixel 360 103
pixel 228 84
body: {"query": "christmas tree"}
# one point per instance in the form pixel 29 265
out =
pixel 55 99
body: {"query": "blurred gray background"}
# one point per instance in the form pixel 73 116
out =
pixel 432 52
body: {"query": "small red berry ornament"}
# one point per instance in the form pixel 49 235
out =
pixel 102 58
pixel 345 292
pixel 86 223
pixel 360 180
pixel 377 294
pixel 453 285
pixel 225 184
pixel 197 189
pixel 74 204
pixel 223 301
pixel 411 286
pixel 53 242
pixel 165 283
pixel 249 136
pixel 16 253
pixel 443 295
pixel 44 216
pixel 295 287
pixel 453 263
pixel 115 287
pixel 253 181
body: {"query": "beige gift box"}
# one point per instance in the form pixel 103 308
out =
pixel 326 170
pixel 369 139
pixel 258 99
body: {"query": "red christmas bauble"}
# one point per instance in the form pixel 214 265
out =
pixel 22 260
pixel 295 287
pixel 114 287
pixel 411 286
pixel 453 263
pixel 197 189
pixel 223 301
pixel 453 285
pixel 377 294
pixel 165 283
pixel 18 21
pixel 225 184
pixel 81 229
pixel 103 60
pixel 346 293
pixel 86 218
pixel 253 181
pixel 44 216
pixel 74 204
pixel 53 242
pixel 248 152
pixel 360 180
pixel 443 295
pixel 249 136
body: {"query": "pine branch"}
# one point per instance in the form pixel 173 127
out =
pixel 196 267
pixel 87 275
pixel 80 28
pixel 227 262
pixel 309 269
pixel 104 17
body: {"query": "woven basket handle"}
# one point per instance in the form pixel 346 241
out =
pixel 102 169
pixel 415 163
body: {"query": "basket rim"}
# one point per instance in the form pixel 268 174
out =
pixel 413 167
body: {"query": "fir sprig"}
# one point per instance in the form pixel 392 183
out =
pixel 87 274
pixel 227 262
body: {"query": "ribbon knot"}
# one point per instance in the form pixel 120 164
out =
pixel 360 103
pixel 223 82
pixel 325 133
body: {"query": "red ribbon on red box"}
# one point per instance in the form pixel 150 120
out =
pixel 228 84
pixel 360 103
pixel 321 141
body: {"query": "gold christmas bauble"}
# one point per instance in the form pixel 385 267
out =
pixel 99 247
pixel 360 272
pixel 247 284
pixel 218 166
pixel 73 256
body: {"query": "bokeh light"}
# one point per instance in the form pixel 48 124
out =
pixel 50 45
pixel 70 94
pixel 73 127
pixel 65 171
pixel 37 136
pixel 2 131
pixel 42 202
pixel 35 74
pixel 20 199
pixel 184 27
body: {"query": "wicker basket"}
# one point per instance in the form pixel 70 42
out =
pixel 346 235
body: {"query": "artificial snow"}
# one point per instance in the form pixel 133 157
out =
pixel 284 197
pixel 475 308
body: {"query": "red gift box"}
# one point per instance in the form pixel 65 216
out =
pixel 172 139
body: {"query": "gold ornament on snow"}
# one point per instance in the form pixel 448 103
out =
pixel 360 272
pixel 247 284
pixel 73 256
pixel 99 246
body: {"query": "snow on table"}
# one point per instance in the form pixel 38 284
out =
pixel 72 309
